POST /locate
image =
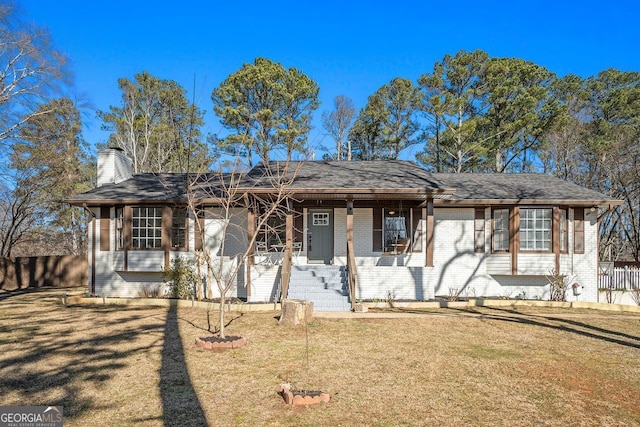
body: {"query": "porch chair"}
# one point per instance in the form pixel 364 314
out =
pixel 402 247
pixel 297 248
pixel 263 251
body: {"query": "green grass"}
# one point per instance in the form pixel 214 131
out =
pixel 127 365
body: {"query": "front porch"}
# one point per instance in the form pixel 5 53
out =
pixel 364 237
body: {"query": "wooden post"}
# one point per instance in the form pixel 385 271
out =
pixel 166 235
pixel 251 231
pixel 285 273
pixel 350 220
pixel 93 253
pixel 555 236
pixel 350 255
pixel 127 214
pixel 430 226
pixel 514 238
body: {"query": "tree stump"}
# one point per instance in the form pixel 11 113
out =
pixel 296 312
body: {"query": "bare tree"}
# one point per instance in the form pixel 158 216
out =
pixel 31 69
pixel 338 122
pixel 231 209
pixel 17 219
pixel 156 126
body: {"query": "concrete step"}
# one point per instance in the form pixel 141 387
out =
pixel 326 286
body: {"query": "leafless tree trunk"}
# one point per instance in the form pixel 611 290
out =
pixel 338 122
pixel 228 197
pixel 31 70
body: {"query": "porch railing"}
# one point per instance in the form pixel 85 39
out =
pixel 352 273
pixel 620 279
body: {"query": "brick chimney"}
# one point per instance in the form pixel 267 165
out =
pixel 113 166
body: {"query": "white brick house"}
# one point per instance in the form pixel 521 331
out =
pixel 415 235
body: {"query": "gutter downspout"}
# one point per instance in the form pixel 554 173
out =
pixel 92 284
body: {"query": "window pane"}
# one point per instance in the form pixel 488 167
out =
pixel 501 230
pixel 395 229
pixel 146 227
pixel 535 229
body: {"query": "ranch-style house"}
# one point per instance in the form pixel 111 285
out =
pixel 361 230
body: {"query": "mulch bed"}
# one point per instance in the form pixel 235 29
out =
pixel 217 343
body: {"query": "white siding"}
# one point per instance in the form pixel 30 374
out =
pixel 585 266
pixel 499 264
pixel 457 268
pixel 530 264
pixel 396 282
pixel 148 261
pixel 265 281
pixel 456 265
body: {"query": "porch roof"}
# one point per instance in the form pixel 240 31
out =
pixel 375 179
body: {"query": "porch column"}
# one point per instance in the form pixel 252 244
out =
pixel 166 235
pixel 349 220
pixel 285 272
pixel 92 266
pixel 514 239
pixel 126 232
pixel 251 231
pixel 427 215
pixel 555 237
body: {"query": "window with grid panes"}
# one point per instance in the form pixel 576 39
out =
pixel 179 228
pixel 119 228
pixel 501 230
pixel 535 229
pixel 146 227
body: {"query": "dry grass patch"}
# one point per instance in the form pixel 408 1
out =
pixel 124 365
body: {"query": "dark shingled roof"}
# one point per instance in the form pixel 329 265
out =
pixel 145 187
pixel 370 179
pixel 360 175
pixel 518 187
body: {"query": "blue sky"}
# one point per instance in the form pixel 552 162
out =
pixel 349 47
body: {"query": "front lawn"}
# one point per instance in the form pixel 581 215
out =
pixel 127 365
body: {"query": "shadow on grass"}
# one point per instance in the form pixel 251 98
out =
pixel 558 323
pixel 180 404
pixel 52 354
pixel 56 355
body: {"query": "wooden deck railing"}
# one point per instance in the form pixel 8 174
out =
pixel 352 273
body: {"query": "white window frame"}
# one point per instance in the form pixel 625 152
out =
pixel 179 230
pixel 500 233
pixel 119 228
pixel 146 227
pixel 536 229
pixel 320 219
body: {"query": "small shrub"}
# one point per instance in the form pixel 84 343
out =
pixel 391 298
pixel 454 294
pixel 558 286
pixel 181 279
pixel 150 291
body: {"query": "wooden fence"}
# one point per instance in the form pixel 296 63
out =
pixel 47 271
pixel 620 279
